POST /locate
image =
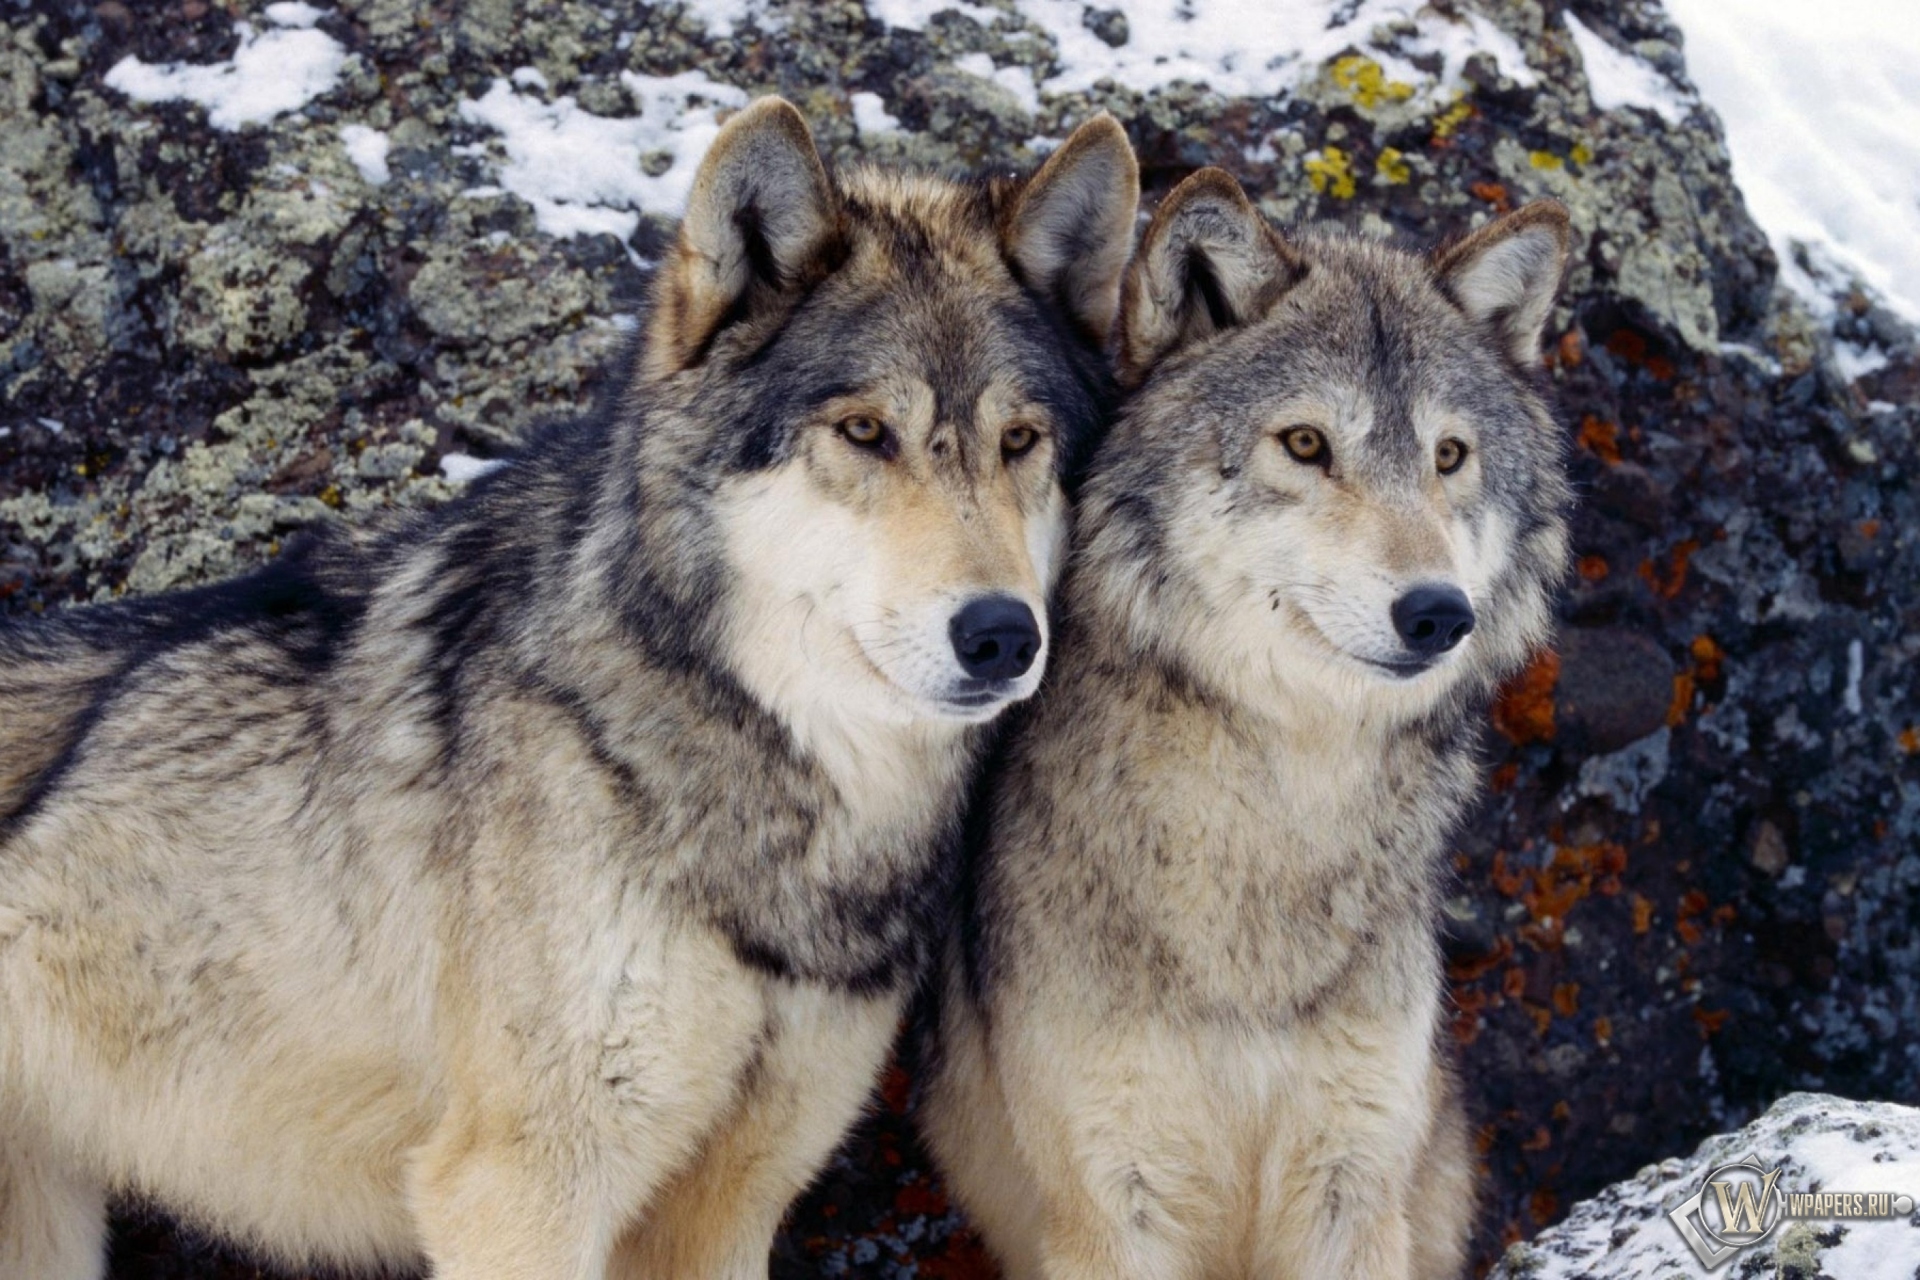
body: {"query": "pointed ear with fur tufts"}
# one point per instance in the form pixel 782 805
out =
pixel 1070 230
pixel 761 222
pixel 1506 274
pixel 1208 262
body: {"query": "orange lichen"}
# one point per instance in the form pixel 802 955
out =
pixel 1682 700
pixel 1706 657
pixel 1542 1205
pixel 1910 740
pixel 1710 1020
pixel 1600 438
pixel 1540 1140
pixel 1495 194
pixel 1642 914
pixel 1668 583
pixel 1632 347
pixel 1566 998
pixel 1468 1006
pixel 1603 1031
pixel 1593 568
pixel 1480 966
pixel 1869 529
pixel 1524 710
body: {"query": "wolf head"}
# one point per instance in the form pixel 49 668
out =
pixel 870 391
pixel 1336 478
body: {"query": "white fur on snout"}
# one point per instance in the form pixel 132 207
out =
pixel 813 631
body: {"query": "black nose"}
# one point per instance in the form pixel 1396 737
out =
pixel 1431 620
pixel 995 638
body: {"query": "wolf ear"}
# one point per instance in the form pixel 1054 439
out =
pixel 1506 274
pixel 1209 262
pixel 761 220
pixel 1070 231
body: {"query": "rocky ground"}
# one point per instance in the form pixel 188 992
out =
pixel 1694 885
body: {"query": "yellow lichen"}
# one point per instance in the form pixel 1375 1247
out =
pixel 1452 118
pixel 1330 173
pixel 1545 160
pixel 1581 154
pixel 1392 168
pixel 1366 83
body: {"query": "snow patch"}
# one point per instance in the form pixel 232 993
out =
pixel 292 13
pixel 367 148
pixel 1616 80
pixel 461 467
pixel 271 73
pixel 723 17
pixel 1823 122
pixel 870 115
pixel 586 174
pixel 1017 81
pixel 913 15
pixel 1244 48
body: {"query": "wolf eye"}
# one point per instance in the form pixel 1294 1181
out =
pixel 1018 440
pixel 866 432
pixel 1450 455
pixel 1306 445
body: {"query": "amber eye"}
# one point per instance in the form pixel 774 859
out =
pixel 1018 440
pixel 868 433
pixel 1450 455
pixel 1306 444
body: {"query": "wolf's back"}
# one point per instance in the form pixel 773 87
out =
pixel 57 673
pixel 52 672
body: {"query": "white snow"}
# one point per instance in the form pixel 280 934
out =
pixel 583 173
pixel 271 73
pixel 367 148
pixel 1821 103
pixel 1017 81
pixel 913 15
pixel 1245 48
pixel 723 17
pixel 1821 1143
pixel 870 114
pixel 293 13
pixel 462 467
pixel 1616 80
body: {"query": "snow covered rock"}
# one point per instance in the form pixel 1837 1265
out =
pixel 1818 1143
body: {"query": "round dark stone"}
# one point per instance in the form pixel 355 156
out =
pixel 1615 687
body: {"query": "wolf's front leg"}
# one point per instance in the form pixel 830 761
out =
pixel 1342 1223
pixel 816 1064
pixel 562 1130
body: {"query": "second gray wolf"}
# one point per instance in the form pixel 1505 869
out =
pixel 531 889
pixel 1188 1029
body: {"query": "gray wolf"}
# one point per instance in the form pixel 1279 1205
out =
pixel 1188 1027
pixel 532 888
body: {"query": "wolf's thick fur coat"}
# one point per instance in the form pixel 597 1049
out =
pixel 532 887
pixel 1187 1028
